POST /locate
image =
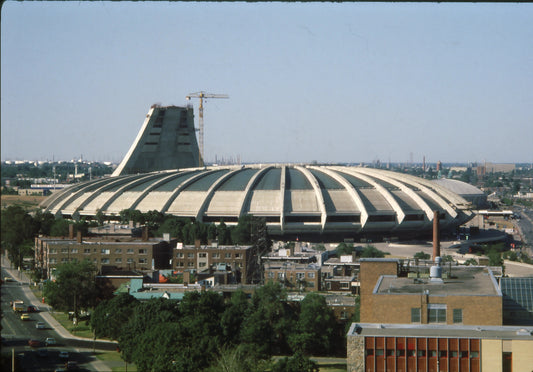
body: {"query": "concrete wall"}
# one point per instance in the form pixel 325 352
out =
pixel 355 354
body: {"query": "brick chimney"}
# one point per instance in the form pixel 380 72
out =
pixel 78 236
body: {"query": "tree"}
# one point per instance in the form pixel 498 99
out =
pixel 344 249
pixel 74 287
pixel 233 317
pixel 315 329
pixel 45 220
pixel 268 322
pixel 422 256
pixel 297 363
pixel 110 316
pixel 372 252
pixel 495 258
pixel 60 227
pixel 18 229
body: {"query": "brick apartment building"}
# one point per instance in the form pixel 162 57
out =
pixel 293 275
pixel 241 261
pixel 124 253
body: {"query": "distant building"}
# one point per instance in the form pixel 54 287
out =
pixel 494 168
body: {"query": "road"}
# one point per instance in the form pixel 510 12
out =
pixel 16 332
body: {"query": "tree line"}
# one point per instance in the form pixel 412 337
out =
pixel 205 332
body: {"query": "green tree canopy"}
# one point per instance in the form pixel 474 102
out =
pixel 422 256
pixel 74 287
pixel 372 252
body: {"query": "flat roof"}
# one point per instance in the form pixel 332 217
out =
pixel 441 331
pixel 464 281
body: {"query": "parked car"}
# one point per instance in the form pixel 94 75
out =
pixel 32 309
pixel 63 354
pixel 72 366
pixel 50 341
pixel 25 316
pixel 34 343
pixel 40 325
pixel 43 353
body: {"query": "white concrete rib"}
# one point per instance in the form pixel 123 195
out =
pixel 318 194
pixel 248 190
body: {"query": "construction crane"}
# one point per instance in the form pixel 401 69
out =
pixel 202 95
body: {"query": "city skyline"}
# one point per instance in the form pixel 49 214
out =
pixel 328 82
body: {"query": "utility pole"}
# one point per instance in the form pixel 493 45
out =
pixel 202 95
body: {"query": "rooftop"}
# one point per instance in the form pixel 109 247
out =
pixel 425 330
pixel 463 281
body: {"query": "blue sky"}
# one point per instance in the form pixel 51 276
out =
pixel 326 82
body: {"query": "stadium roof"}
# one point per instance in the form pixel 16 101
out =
pixel 293 199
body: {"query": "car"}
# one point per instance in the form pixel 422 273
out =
pixel 34 343
pixel 32 309
pixel 43 353
pixel 72 366
pixel 25 316
pixel 63 354
pixel 50 341
pixel 40 325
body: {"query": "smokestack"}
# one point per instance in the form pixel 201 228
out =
pixel 145 234
pixel 436 235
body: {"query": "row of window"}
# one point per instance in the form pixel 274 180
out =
pixel 299 276
pixel 436 314
pixel 200 264
pixel 102 251
pixel 102 260
pixel 422 353
pixel 204 255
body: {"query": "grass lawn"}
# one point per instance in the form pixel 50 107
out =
pixel 81 330
pixel 115 362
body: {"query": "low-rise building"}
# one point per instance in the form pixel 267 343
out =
pixel 294 276
pixel 122 253
pixel 241 261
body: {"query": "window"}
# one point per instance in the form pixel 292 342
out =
pixel 202 255
pixel 345 285
pixel 129 251
pixel 74 250
pixel 179 255
pixel 379 352
pixel 87 251
pixel 443 354
pixel 142 251
pixel 64 259
pixel 64 250
pixel 202 264
pixel 190 264
pixel 227 255
pixel 437 313
pixel 118 250
pixel 457 315
pixel 421 353
pixel 271 274
pixel 300 276
pixel 53 251
pixel 215 255
pixel 95 260
pixel 118 260
pixel 180 264
pixel 415 315
pixel 474 354
pixel 311 275
pixel 237 255
pixel 190 255
pixel 142 260
pixel 433 353
pixel 105 251
pixel 281 276
pixel 104 260
pixel 130 260
pixel 53 260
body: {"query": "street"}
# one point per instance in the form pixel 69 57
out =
pixel 16 332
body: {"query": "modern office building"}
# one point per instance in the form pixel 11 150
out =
pixel 435 348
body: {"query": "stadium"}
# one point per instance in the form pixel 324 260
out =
pixel 309 202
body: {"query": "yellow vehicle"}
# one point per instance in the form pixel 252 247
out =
pixel 25 316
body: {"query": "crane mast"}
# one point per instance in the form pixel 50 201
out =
pixel 201 95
